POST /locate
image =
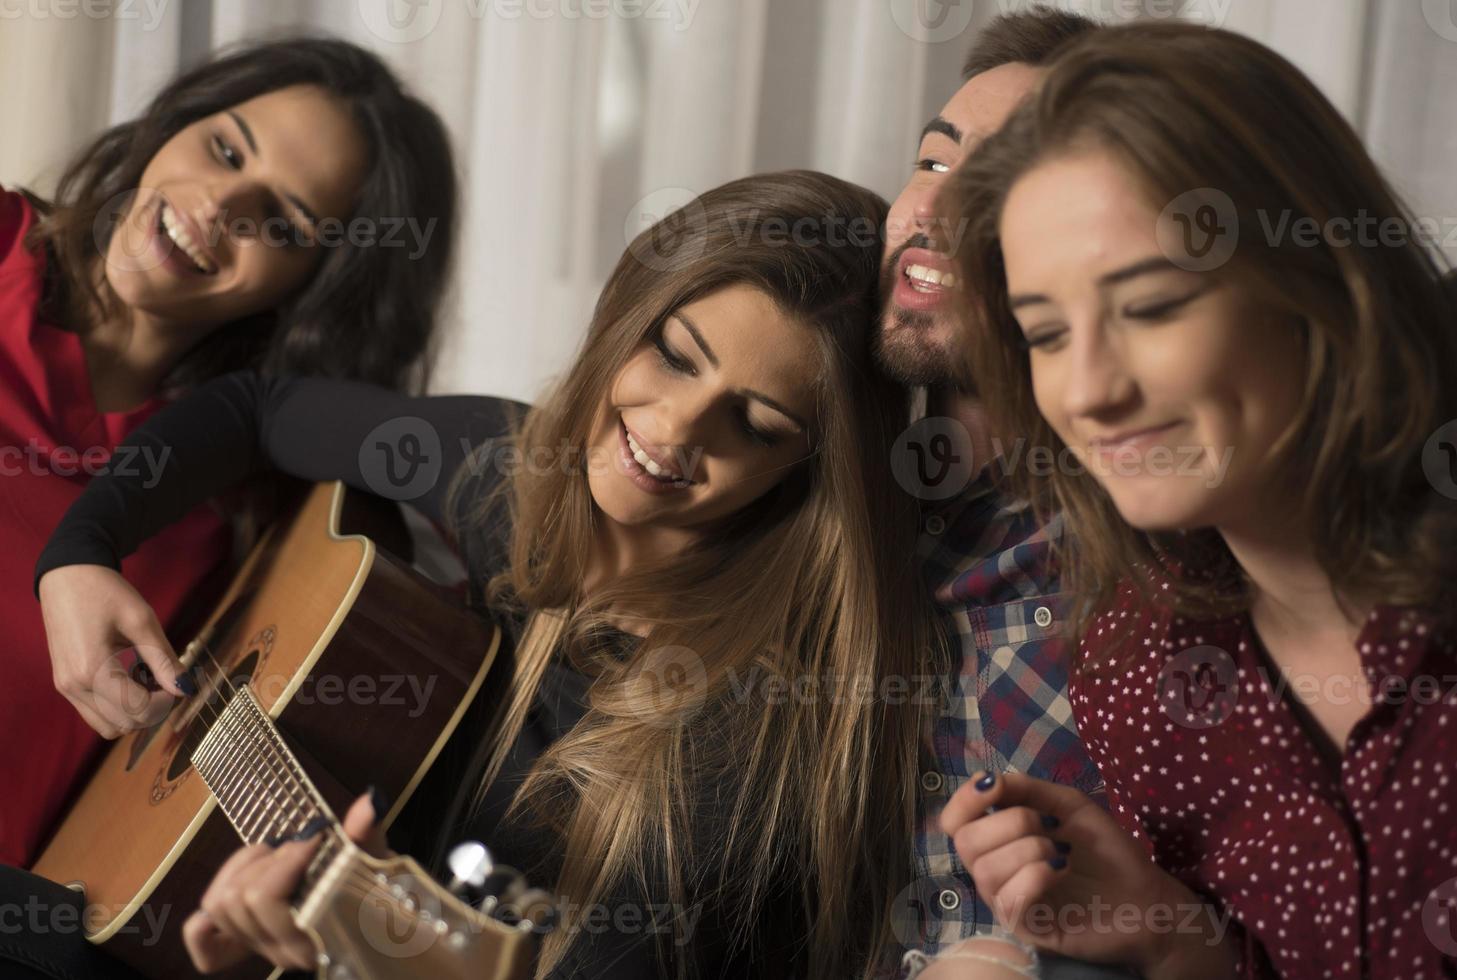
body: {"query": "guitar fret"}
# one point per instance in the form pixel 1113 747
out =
pixel 242 793
pixel 260 804
pixel 255 778
pixel 298 803
pixel 219 776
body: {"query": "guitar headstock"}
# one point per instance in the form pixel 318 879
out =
pixel 388 919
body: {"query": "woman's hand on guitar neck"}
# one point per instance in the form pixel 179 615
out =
pixel 246 907
pixel 92 614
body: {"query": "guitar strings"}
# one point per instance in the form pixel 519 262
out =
pixel 356 880
pixel 212 715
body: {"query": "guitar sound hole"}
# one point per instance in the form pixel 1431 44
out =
pixel 217 696
pixel 220 636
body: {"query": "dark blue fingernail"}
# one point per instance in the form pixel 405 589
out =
pixel 274 841
pixel 311 828
pixel 1058 863
pixel 986 782
pixel 1062 846
pixel 186 684
pixel 379 802
pixel 1049 821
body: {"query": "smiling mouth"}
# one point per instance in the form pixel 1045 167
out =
pixel 924 279
pixel 649 466
pixel 1131 440
pixel 169 224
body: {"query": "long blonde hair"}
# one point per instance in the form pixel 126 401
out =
pixel 815 583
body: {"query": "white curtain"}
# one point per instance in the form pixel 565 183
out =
pixel 572 128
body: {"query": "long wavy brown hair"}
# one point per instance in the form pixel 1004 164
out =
pixel 1186 108
pixel 367 313
pixel 815 583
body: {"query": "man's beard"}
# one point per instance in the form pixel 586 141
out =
pixel 907 352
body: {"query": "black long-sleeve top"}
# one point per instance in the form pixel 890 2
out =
pixel 409 448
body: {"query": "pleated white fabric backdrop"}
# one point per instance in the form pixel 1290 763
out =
pixel 570 125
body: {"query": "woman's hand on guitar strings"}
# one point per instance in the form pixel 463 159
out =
pixel 91 616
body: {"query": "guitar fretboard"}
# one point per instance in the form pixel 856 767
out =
pixel 258 782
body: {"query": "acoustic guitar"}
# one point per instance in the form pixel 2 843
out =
pixel 328 666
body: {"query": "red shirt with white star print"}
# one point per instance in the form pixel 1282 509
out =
pixel 1334 872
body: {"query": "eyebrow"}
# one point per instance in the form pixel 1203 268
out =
pixel 247 132
pixel 943 126
pixel 1143 267
pixel 693 331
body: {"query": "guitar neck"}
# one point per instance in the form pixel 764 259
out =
pixel 371 919
pixel 258 781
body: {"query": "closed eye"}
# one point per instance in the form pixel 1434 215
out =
pixel 1159 309
pixel 672 360
pixel 1042 336
pixel 757 435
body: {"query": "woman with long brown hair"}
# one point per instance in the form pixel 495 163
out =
pixel 1200 297
pixel 209 234
pixel 698 546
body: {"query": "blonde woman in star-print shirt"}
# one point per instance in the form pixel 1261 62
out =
pixel 1258 466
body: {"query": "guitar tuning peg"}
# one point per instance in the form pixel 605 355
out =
pixel 498 890
pixel 470 864
pixel 500 886
pixel 532 909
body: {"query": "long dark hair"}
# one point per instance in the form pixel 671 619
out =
pixel 1187 107
pixel 368 313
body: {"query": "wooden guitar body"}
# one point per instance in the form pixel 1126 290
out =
pixel 363 666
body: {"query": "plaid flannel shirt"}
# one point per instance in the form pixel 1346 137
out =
pixel 1006 705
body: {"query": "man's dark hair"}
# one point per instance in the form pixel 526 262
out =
pixel 1034 38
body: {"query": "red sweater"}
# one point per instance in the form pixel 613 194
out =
pixel 52 439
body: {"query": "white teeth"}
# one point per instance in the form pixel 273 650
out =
pixel 178 233
pixel 923 274
pixel 649 464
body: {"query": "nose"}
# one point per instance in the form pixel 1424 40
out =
pixel 1097 381
pixel 913 213
pixel 688 418
pixel 235 207
pixel 924 207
